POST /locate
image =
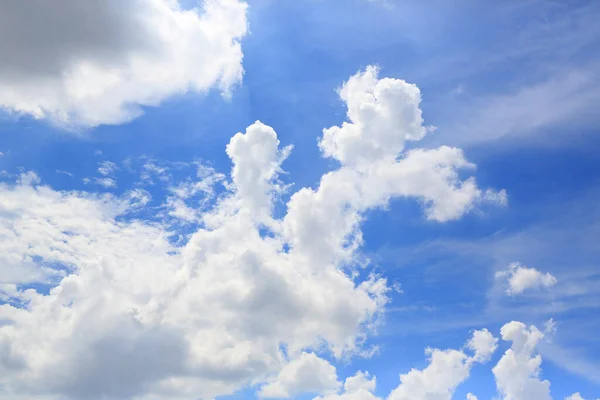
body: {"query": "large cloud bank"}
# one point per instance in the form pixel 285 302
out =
pixel 248 298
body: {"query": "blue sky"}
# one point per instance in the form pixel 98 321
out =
pixel 513 84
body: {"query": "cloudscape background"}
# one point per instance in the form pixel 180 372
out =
pixel 319 199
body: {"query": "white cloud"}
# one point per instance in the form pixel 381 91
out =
pixel 256 162
pixel 438 381
pixel 550 327
pixel 446 370
pixel 521 278
pixel 60 62
pixel 575 396
pixel 517 372
pixel 60 171
pixel 107 168
pixel 178 204
pixel 483 344
pixel 382 113
pixel 306 374
pixel 177 208
pixel 357 387
pixel 324 220
pixel 107 183
pixel 152 169
pixel 208 179
pixel 139 315
pixel 38 223
pixel 136 315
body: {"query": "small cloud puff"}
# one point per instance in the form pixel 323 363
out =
pixel 521 278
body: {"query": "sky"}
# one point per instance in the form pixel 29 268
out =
pixel 312 199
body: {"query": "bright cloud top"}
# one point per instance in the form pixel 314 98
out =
pixel 247 298
pixel 521 278
pixel 61 62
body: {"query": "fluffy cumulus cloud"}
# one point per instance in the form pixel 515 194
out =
pixel 361 386
pixel 438 381
pixel 100 303
pixel 306 374
pixel 517 372
pixel 446 370
pixel 520 278
pixel 60 61
pixel 381 117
